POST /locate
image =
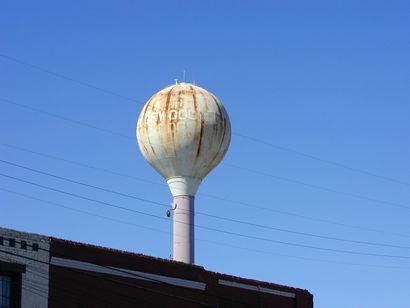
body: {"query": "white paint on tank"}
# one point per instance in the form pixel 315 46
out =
pixel 184 132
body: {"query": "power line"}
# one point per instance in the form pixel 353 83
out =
pixel 34 291
pixel 317 158
pixel 108 279
pixel 68 289
pixel 316 219
pixel 75 295
pixel 305 258
pixel 80 211
pixel 81 197
pixel 114 280
pixel 84 184
pixel 319 187
pixel 289 180
pixel 198 239
pixel 305 233
pixel 203 213
pixel 306 184
pixel 209 228
pixel 251 138
pixel 38 110
pixel 236 202
pixel 86 84
pixel 83 165
pixel 126 271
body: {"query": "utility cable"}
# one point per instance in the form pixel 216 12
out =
pixel 86 84
pixel 251 138
pixel 323 160
pixel 81 211
pixel 75 293
pixel 314 186
pixel 130 273
pixel 228 200
pixel 209 228
pixel 83 184
pixel 223 244
pixel 64 118
pixel 87 273
pixel 331 190
pixel 202 213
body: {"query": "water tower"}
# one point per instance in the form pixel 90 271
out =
pixel 183 131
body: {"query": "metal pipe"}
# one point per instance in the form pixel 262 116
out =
pixel 183 229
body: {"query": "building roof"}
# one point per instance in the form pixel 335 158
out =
pixel 90 274
pixel 174 267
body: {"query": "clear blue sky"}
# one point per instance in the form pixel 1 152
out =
pixel 323 85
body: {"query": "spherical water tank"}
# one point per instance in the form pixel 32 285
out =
pixel 183 131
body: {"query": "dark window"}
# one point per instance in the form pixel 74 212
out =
pixel 35 247
pixel 10 284
pixel 10 289
pixel 12 242
pixel 5 291
pixel 1 240
pixel 23 245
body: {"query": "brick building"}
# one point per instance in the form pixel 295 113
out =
pixel 39 271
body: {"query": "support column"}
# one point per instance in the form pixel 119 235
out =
pixel 183 229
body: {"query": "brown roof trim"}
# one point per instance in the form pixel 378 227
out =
pixel 124 252
pixel 181 266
